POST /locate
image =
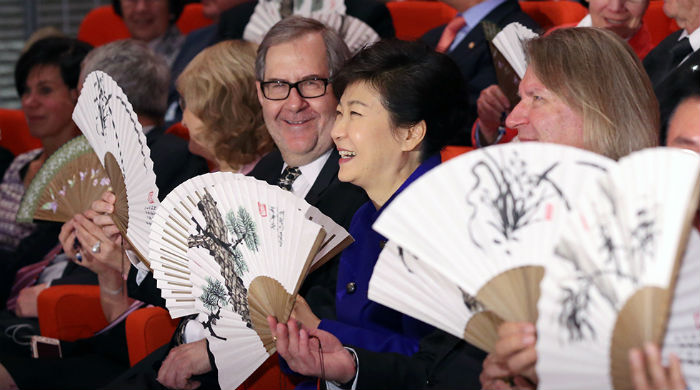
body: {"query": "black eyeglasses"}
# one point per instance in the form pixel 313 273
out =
pixel 279 90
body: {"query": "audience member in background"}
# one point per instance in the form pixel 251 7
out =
pixel 623 17
pixel 568 99
pixel 675 56
pixel 147 91
pixel 646 367
pixel 196 41
pixel 153 22
pixel 221 109
pixel 46 77
pixel 172 163
pixel 93 362
pixel 294 50
pixel 234 15
pixel 464 41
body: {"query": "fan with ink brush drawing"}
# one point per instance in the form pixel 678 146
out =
pixel 356 33
pixel 610 285
pixel 108 121
pixel 404 283
pixel 67 184
pixel 486 220
pixel 234 250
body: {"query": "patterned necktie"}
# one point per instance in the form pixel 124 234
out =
pixel 449 34
pixel 288 176
pixel 680 50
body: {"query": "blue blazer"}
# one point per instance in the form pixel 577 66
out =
pixel 361 322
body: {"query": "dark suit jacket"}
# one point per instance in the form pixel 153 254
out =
pixel 663 74
pixel 442 362
pixel 195 42
pixel 172 161
pixel 473 55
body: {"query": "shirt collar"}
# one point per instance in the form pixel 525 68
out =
pixel 475 14
pixel 694 38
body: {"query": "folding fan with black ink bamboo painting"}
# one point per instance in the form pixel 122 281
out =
pixel 234 250
pixel 611 284
pixel 488 220
pixel 67 184
pixel 107 119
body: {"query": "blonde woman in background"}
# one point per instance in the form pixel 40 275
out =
pixel 221 108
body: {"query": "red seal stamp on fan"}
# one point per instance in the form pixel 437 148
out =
pixel 150 197
pixel 262 209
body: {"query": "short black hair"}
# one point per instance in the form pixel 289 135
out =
pixel 175 8
pixel 65 53
pixel 415 83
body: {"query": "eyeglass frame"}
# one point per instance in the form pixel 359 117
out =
pixel 294 86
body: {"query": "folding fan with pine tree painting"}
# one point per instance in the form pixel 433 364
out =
pixel 106 118
pixel 67 184
pixel 610 284
pixel 486 220
pixel 235 250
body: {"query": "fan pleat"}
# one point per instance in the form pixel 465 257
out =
pixel 610 289
pixel 106 118
pixel 233 250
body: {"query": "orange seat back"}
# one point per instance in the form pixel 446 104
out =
pixel 192 18
pixel 659 25
pixel 269 376
pixel 550 14
pixel 412 19
pixel 15 135
pixel 148 329
pixel 70 312
pixel 451 151
pixel 179 130
pixel 102 25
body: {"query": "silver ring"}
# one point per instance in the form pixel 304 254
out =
pixel 96 247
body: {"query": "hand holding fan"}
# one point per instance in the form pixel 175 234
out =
pixel 67 184
pixel 235 250
pixel 486 219
pixel 108 121
pixel 609 288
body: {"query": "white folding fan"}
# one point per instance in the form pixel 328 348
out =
pixel 356 33
pixel 609 284
pixel 683 327
pixel 509 43
pixel 234 250
pixel 67 184
pixel 404 283
pixel 108 121
pixel 486 219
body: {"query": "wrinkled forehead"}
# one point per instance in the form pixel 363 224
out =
pixel 297 59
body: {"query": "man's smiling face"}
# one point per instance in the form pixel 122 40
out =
pixel 299 126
